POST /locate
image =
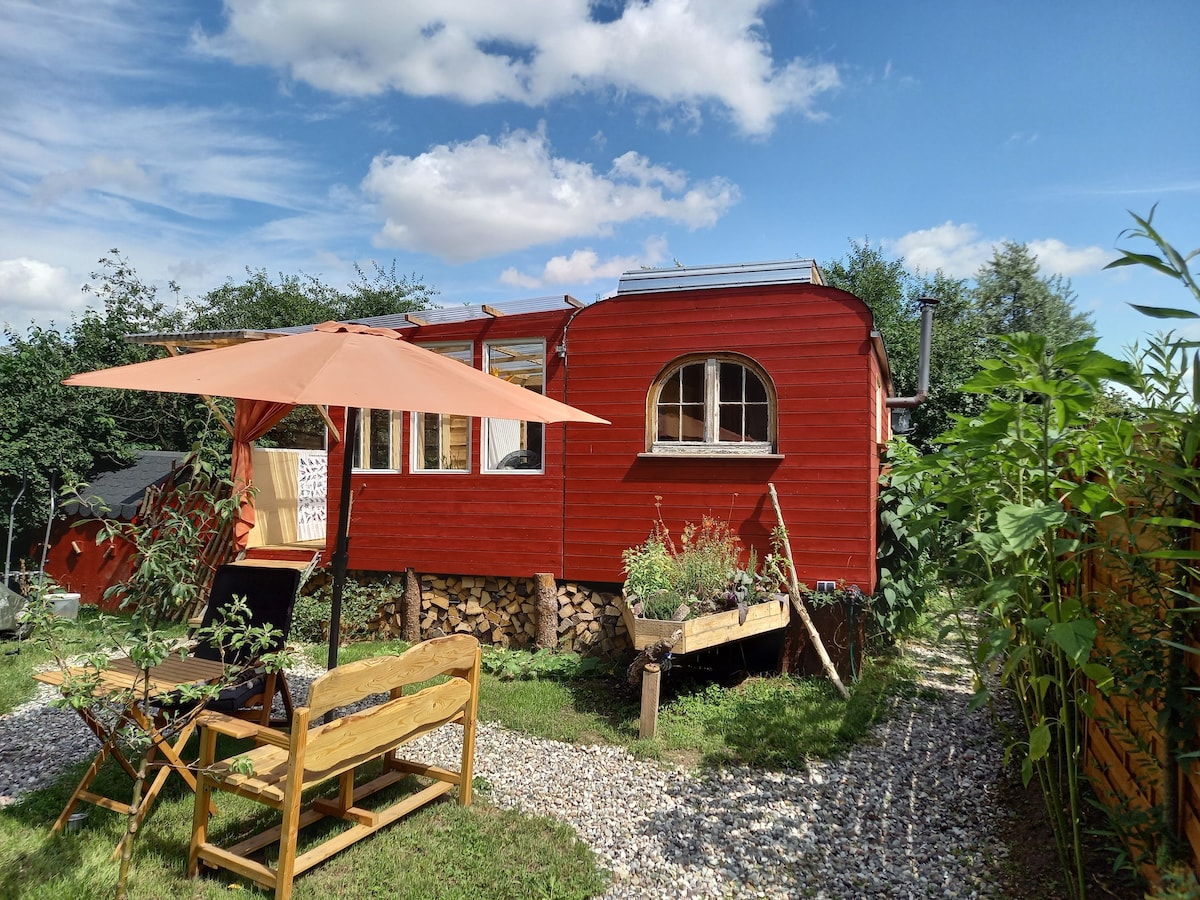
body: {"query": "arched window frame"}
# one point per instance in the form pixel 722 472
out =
pixel 711 445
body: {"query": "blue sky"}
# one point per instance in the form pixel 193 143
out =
pixel 502 150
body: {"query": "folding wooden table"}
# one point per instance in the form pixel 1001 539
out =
pixel 162 680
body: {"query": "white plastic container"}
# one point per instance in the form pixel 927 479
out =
pixel 65 605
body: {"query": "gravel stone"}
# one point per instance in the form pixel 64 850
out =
pixel 909 812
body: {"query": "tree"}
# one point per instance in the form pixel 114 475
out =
pixel 50 430
pixel 892 292
pixel 305 300
pixel 1011 297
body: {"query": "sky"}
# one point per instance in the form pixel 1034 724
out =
pixel 506 149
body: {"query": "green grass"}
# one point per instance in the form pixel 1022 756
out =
pixel 442 852
pixel 19 659
pixel 773 722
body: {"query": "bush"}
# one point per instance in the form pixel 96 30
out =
pixel 360 607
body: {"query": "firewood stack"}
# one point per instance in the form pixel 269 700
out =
pixel 503 612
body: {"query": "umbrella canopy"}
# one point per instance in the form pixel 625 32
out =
pixel 335 364
pixel 338 364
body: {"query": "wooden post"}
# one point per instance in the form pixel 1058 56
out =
pixel 800 608
pixel 547 610
pixel 410 612
pixel 651 677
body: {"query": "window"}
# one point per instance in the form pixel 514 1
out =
pixel 705 404
pixel 378 441
pixel 441 443
pixel 511 445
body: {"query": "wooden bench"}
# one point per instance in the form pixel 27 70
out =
pixel 286 765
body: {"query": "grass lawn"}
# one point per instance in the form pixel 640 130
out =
pixel 445 851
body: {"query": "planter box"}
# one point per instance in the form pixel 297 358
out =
pixel 65 605
pixel 707 631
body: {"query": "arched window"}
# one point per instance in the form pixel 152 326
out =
pixel 721 403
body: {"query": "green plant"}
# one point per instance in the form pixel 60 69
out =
pixel 1017 510
pixel 107 703
pixel 361 602
pixel 702 575
pixel 907 572
pixel 171 540
pixel 515 665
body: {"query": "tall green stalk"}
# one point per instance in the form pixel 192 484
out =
pixel 1014 485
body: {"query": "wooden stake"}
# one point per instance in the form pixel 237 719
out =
pixel 410 614
pixel 798 603
pixel 651 676
pixel 547 610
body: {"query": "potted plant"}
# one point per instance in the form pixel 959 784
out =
pixel 700 587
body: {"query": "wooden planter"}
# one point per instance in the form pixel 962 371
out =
pixel 707 631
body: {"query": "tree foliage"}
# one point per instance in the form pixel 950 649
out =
pixel 893 292
pixel 259 302
pixel 1011 297
pixel 72 433
pixel 1007 296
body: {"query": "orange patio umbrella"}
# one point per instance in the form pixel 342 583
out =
pixel 335 364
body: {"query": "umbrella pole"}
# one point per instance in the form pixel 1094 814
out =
pixel 341 551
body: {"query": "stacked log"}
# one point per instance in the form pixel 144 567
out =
pixel 589 621
pixel 504 612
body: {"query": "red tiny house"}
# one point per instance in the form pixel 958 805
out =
pixel 812 417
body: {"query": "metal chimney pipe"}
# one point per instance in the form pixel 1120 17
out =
pixel 927 307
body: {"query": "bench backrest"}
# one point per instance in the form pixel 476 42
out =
pixel 456 655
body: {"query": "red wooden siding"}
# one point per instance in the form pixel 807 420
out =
pixel 470 523
pixel 813 342
pixel 597 495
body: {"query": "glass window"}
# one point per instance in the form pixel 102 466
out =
pixel 441 443
pixel 722 403
pixel 511 445
pixel 378 441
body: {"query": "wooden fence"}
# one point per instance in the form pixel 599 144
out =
pixel 1127 754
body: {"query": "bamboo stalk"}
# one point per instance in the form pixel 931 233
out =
pixel 798 603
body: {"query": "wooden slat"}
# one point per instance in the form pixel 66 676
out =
pixel 319 854
pixel 364 735
pixel 350 683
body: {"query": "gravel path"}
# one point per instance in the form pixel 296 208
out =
pixel 908 812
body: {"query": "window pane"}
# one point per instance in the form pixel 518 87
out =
pixel 756 422
pixel 670 389
pixel 731 422
pixel 691 379
pixel 514 445
pixel 731 382
pixel 441 441
pixel 692 422
pixel 379 437
pixel 756 391
pixel 668 423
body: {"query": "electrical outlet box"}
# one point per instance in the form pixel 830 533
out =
pixel 826 587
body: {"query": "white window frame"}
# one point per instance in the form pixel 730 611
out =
pixel 495 424
pixel 395 424
pixel 711 445
pixel 415 423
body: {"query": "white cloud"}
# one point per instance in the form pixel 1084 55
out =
pixel 1056 258
pixel 586 265
pixel 529 51
pixel 955 249
pixel 482 198
pixel 32 290
pixel 959 251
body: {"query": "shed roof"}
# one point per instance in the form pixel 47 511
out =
pixel 117 495
pixel 464 312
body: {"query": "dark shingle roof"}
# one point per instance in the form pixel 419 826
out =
pixel 117 495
